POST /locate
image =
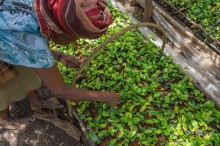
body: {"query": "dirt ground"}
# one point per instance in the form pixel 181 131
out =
pixel 41 133
pixel 44 133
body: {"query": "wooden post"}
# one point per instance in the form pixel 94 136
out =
pixel 148 10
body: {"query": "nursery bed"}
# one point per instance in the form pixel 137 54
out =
pixel 198 30
pixel 159 104
pixel 202 63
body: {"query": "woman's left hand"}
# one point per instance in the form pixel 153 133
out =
pixel 70 61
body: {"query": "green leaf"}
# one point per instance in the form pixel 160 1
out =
pixel 129 115
pixel 136 120
pixel 158 131
pixel 149 121
pixel 157 94
pixel 167 99
pixel 131 134
pixel 93 136
pixel 102 133
pixel 111 130
pixel 148 131
pixel 194 123
pixel 131 108
pixel 150 98
pixel 112 142
pixel 184 97
pixel 105 114
pixel 102 125
pixel 104 106
pixel 98 84
pixel 142 100
pixel 216 139
pixel 143 108
pixel 121 134
pixel 144 143
pixel 149 139
pixel 138 79
pixel 180 132
pixel 209 118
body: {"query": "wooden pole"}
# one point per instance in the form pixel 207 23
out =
pixel 148 9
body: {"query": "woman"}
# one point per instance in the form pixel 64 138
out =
pixel 23 46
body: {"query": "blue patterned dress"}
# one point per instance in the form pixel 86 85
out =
pixel 20 40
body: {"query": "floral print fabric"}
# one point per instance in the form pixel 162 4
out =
pixel 21 42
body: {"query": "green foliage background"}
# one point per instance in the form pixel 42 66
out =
pixel 204 12
pixel 159 104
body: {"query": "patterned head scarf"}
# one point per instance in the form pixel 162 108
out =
pixel 75 18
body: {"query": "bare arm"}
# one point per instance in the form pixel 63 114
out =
pixel 53 79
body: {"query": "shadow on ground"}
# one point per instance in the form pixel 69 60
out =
pixel 41 133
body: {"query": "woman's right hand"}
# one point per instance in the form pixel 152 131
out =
pixel 112 98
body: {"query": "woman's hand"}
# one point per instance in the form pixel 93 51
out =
pixel 112 98
pixel 69 61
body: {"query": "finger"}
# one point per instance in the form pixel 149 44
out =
pixel 75 63
pixel 70 58
pixel 77 60
pixel 72 65
pixel 63 61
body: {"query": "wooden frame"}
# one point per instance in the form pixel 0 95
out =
pixel 148 9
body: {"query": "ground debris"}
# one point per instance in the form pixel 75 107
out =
pixel 66 126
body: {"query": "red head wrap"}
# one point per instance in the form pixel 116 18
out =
pixel 68 17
